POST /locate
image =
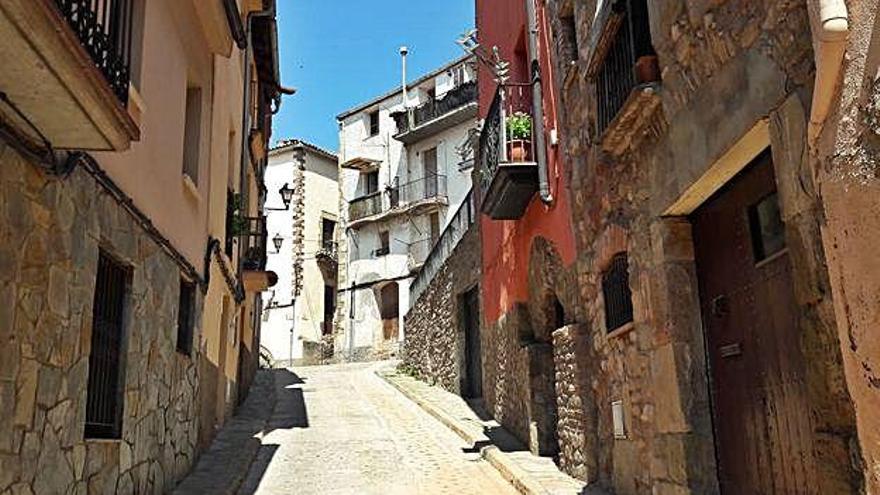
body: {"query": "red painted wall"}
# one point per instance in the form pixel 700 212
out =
pixel 507 244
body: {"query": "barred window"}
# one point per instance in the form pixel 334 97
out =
pixel 104 392
pixel 618 297
pixel 185 316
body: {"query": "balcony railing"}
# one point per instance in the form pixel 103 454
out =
pixel 365 206
pixel 253 242
pixel 508 172
pixel 431 187
pixel 442 249
pixel 431 111
pixel 399 197
pixel 327 251
pixel 104 27
pixel 625 59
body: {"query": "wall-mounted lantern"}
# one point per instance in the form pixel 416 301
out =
pixel 277 241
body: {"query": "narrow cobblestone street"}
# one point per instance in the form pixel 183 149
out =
pixel 343 430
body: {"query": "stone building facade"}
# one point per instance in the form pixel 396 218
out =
pixel 129 325
pixel 437 345
pixel 721 117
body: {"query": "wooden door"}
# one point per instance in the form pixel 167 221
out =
pixel 473 382
pixel 761 415
pixel 430 161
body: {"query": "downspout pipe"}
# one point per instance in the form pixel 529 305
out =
pixel 538 103
pixel 830 27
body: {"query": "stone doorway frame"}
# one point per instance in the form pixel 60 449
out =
pixel 679 362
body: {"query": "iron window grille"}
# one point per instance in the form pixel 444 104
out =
pixel 617 293
pixel 104 400
pixel 185 317
pixel 627 39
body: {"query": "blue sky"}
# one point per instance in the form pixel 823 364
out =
pixel 339 53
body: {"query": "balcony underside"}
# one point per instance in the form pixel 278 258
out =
pixel 51 79
pixel 632 122
pixel 511 190
pixel 440 124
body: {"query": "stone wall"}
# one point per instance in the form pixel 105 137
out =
pixel 731 70
pixel 434 341
pixel 51 230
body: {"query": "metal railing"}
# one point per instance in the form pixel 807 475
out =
pixel 104 27
pixel 253 242
pixel 456 98
pixel 399 195
pixel 446 243
pixel 432 186
pixel 616 76
pixel 327 250
pixel 510 99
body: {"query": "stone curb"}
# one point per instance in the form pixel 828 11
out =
pixel 224 466
pixel 508 469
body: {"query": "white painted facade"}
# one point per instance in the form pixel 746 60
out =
pixel 406 215
pixel 295 308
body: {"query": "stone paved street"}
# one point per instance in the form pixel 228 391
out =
pixel 343 430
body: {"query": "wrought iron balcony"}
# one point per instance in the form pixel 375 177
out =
pixel 508 171
pixel 104 29
pixel 253 241
pixel 424 193
pixel 457 106
pixel 624 68
pixel 67 83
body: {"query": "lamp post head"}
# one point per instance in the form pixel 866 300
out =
pixel 404 51
pixel 277 241
pixel 286 193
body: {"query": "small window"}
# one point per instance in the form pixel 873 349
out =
pixel 328 231
pixel 374 123
pixel 384 244
pixel 371 182
pixel 435 227
pixel 766 227
pixel 192 133
pixel 104 400
pixel 566 38
pixel 185 316
pixel 616 290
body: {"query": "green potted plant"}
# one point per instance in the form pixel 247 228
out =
pixel 519 137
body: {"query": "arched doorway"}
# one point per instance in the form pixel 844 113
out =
pixel 389 310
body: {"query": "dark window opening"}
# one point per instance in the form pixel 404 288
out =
pixel 435 227
pixel 558 314
pixel 374 123
pixel 328 232
pixel 329 309
pixel 186 316
pixel 371 182
pixel 766 227
pixel 104 399
pixel 566 39
pixel 616 290
pixel 629 59
pixel 384 243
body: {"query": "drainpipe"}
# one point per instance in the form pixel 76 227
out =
pixel 830 32
pixel 538 103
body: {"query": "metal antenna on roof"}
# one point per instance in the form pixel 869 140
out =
pixel 490 58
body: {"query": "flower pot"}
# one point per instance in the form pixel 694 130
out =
pixel 647 69
pixel 519 150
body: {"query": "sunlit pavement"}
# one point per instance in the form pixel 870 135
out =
pixel 342 430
